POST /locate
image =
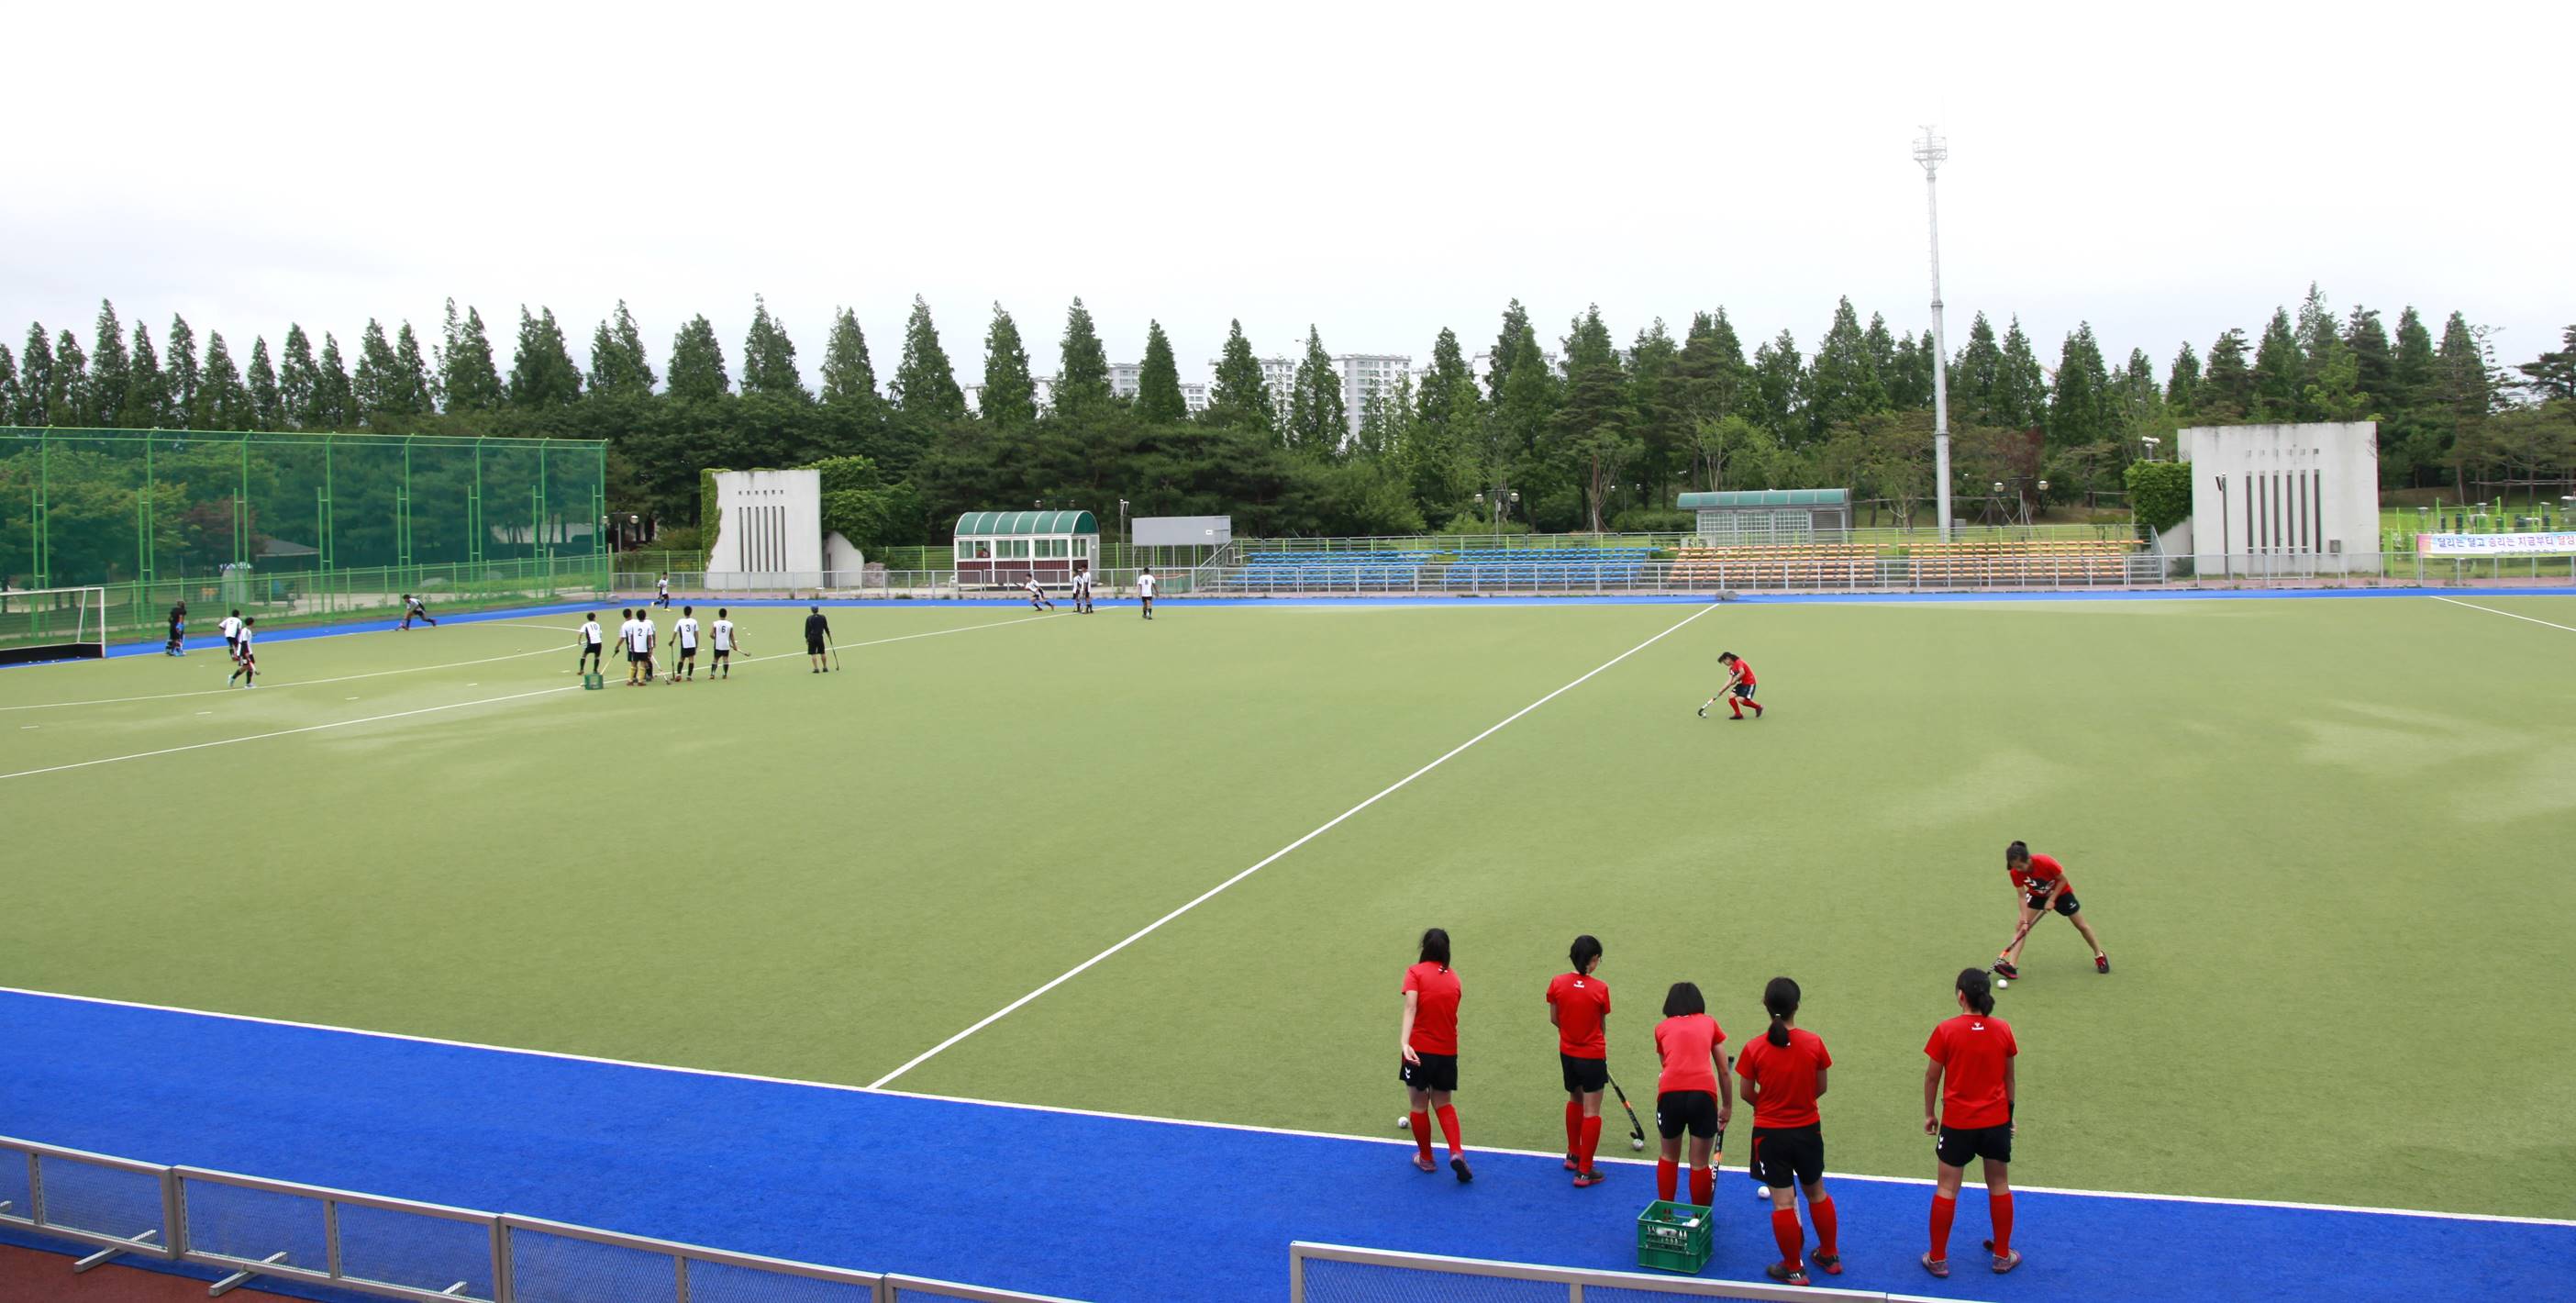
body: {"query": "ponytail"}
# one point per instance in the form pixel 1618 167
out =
pixel 2017 853
pixel 1978 989
pixel 1586 951
pixel 1781 998
pixel 1435 947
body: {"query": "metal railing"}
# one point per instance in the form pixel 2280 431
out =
pixel 1336 1273
pixel 257 1228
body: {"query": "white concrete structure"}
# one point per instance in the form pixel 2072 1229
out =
pixel 767 523
pixel 2283 499
pixel 1359 372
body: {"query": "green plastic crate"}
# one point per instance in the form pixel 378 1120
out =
pixel 1673 1237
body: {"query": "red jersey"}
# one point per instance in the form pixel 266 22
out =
pixel 1973 1050
pixel 1787 1075
pixel 2044 872
pixel 1688 1043
pixel 1744 670
pixel 1435 1008
pixel 1581 1001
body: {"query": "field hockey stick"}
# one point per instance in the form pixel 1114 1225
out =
pixel 1636 1130
pixel 836 655
pixel 2023 931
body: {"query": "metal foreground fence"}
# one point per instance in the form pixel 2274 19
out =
pixel 254 1228
pixel 1334 1273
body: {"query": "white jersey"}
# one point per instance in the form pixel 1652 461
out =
pixel 590 633
pixel 686 630
pixel 662 586
pixel 1144 585
pixel 1082 582
pixel 723 630
pixel 231 625
pixel 1032 586
pixel 241 641
pixel 639 636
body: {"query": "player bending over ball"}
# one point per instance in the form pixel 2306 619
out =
pixel 1578 1002
pixel 2039 883
pixel 414 609
pixel 1693 1094
pixel 587 644
pixel 1968 1105
pixel 726 639
pixel 1038 600
pixel 245 661
pixel 818 635
pixel 1784 1073
pixel 1428 1040
pixel 1738 692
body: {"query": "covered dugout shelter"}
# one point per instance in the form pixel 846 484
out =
pixel 1005 548
pixel 1770 515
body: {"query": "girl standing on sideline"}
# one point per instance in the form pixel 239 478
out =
pixel 1578 1002
pixel 1784 1072
pixel 1694 1093
pixel 1428 1040
pixel 1968 1104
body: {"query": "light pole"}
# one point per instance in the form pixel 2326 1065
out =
pixel 1932 151
pixel 1123 541
pixel 2150 441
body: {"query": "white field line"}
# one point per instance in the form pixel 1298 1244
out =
pixel 1272 858
pixel 2506 614
pixel 295 683
pixel 847 1089
pixel 458 705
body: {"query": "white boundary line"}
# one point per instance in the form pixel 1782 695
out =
pixel 2506 614
pixel 848 1089
pixel 1389 790
pixel 292 683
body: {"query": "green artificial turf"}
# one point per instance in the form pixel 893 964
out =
pixel 2318 837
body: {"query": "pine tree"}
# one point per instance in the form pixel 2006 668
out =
pixel 2374 360
pixel 414 392
pixel 1843 385
pixel 2412 372
pixel 147 390
pixel 617 361
pixel 2551 377
pixel 848 375
pixel 466 373
pixel 2279 369
pixel 180 365
pixel 2080 411
pixel 1159 400
pixel 698 363
pixel 1010 397
pixel 2182 387
pixel 108 371
pixel 373 382
pixel 1977 377
pixel 769 358
pixel 1655 396
pixel 1908 377
pixel 1385 411
pixel 1239 395
pixel 2226 391
pixel 267 406
pixel 222 402
pixel 35 379
pixel 542 374
pixel 9 395
pixel 1591 433
pixel 2319 335
pixel 299 379
pixel 335 399
pixel 1448 367
pixel 1507 348
pixel 2464 391
pixel 2021 388
pixel 1882 349
pixel 1774 398
pixel 1082 364
pixel 1318 419
pixel 68 398
pixel 925 382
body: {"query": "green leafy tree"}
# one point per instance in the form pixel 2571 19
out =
pixel 2279 370
pixel 2551 377
pixel 2374 358
pixel 925 382
pixel 109 371
pixel 1714 384
pixel 1442 452
pixel 1843 383
pixel 698 363
pixel 335 399
pixel 1909 374
pixel 1318 420
pixel 769 358
pixel 1662 449
pixel 1082 371
pixel 466 373
pixel 2159 492
pixel 180 365
pixel 267 403
pixel 1516 431
pixel 542 374
pixel 1238 395
pixel 10 398
pixel 299 377
pixel 1159 399
pixel 2080 411
pixel 1386 417
pixel 2182 384
pixel 1979 377
pixel 2318 331
pixel 1775 401
pixel 617 361
pixel 1010 397
pixel 1592 435
pixel 147 390
pixel 223 403
pixel 1507 349
pixel 849 377
pixel 2464 387
pixel 2021 389
pixel 35 379
pixel 67 398
pixel 2226 390
pixel 1448 367
pixel 373 382
pixel 414 392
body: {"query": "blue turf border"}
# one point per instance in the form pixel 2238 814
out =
pixel 1095 1207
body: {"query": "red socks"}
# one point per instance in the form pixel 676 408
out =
pixel 1828 1226
pixel 1944 1207
pixel 1448 1129
pixel 1703 1186
pixel 1784 1230
pixel 1668 1175
pixel 1573 1130
pixel 1589 1143
pixel 1421 1124
pixel 1999 1207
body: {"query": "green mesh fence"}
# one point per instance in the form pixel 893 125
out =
pixel 298 527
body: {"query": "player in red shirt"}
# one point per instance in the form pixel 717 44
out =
pixel 1784 1073
pixel 1694 1093
pixel 2039 883
pixel 1429 1043
pixel 1968 1103
pixel 1578 1002
pixel 1738 690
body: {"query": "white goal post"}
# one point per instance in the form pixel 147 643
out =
pixel 52 624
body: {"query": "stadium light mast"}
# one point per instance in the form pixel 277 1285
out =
pixel 1931 151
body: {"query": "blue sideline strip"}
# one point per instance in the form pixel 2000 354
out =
pixel 1082 1206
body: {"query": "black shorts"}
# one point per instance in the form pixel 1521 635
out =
pixel 1691 1110
pixel 1784 1154
pixel 232 647
pixel 637 656
pixel 688 653
pixel 723 652
pixel 1584 1076
pixel 2065 903
pixel 590 649
pixel 813 646
pixel 1956 1147
pixel 1744 690
pixel 1435 1072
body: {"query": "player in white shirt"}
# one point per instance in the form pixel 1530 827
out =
pixel 245 664
pixel 639 650
pixel 1081 588
pixel 588 641
pixel 685 631
pixel 662 592
pixel 415 609
pixel 1037 595
pixel 232 627
pixel 725 638
pixel 1145 591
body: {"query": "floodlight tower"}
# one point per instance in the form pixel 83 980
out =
pixel 1931 151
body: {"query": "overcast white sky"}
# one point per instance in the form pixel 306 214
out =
pixel 1379 170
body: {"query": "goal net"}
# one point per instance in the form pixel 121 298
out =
pixel 52 624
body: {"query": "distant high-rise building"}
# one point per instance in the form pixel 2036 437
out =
pixel 1127 379
pixel 1360 373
